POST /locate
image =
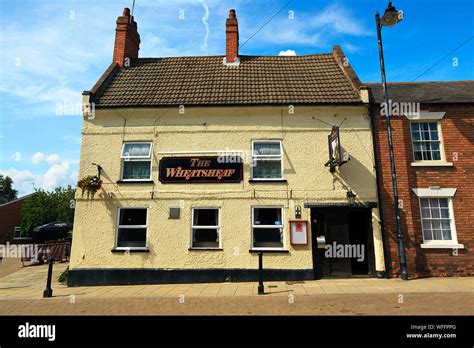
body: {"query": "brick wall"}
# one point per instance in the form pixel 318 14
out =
pixel 10 216
pixel 457 129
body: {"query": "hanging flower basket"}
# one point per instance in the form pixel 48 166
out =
pixel 91 184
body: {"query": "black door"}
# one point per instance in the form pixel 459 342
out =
pixel 342 226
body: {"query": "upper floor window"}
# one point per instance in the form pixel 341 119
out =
pixel 136 161
pixel 426 141
pixel 267 163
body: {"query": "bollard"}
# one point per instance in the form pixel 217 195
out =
pixel 48 292
pixel 261 289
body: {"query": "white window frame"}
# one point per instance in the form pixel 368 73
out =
pixel 218 227
pixel 255 157
pixel 282 233
pixel 446 193
pixel 440 162
pixel 136 158
pixel 130 227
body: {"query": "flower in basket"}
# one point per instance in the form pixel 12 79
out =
pixel 91 184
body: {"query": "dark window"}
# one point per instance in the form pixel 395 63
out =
pixel 132 228
pixel 267 228
pixel 205 228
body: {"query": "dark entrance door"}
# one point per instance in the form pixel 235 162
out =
pixel 348 236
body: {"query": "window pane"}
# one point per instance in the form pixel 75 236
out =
pixel 264 169
pixel 447 235
pixel 424 202
pixel 263 149
pixel 267 237
pixel 427 234
pixel 415 126
pixel 434 202
pixel 425 213
pixel 138 170
pixel 445 224
pixel 437 235
pixel 436 155
pixel 424 126
pixel 267 216
pixel 206 217
pixel 131 237
pixel 418 156
pixel 425 135
pixel 205 237
pixel 434 135
pixel 130 150
pixel 132 217
pixel 443 202
pixel 433 126
pixel 435 224
pixel 435 213
pixel 445 213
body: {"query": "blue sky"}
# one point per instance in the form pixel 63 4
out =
pixel 52 50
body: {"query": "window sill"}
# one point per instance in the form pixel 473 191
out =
pixel 123 250
pixel 432 164
pixel 135 182
pixel 267 180
pixel 441 246
pixel 205 249
pixel 269 251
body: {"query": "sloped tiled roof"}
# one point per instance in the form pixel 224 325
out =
pixel 309 79
pixel 425 92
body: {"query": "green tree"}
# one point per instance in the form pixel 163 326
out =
pixel 7 193
pixel 44 207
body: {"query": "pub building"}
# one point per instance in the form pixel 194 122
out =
pixel 206 161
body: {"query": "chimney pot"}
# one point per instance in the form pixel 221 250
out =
pixel 126 12
pixel 232 13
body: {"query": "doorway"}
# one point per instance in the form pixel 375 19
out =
pixel 342 242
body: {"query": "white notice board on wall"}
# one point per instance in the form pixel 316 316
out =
pixel 299 232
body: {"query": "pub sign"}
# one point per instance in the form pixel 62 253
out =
pixel 201 169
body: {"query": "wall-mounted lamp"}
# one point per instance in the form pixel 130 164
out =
pixel 297 212
pixel 351 196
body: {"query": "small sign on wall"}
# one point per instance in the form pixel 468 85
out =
pixel 299 232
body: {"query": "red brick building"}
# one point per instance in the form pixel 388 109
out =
pixel 434 157
pixel 10 219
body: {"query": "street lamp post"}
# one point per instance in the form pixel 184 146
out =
pixel 390 18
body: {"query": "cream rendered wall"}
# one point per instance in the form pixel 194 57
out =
pixel 305 148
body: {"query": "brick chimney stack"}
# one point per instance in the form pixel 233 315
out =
pixel 232 39
pixel 127 39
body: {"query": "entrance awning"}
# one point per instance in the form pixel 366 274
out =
pixel 340 205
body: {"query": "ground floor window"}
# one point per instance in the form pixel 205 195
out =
pixel 267 227
pixel 205 228
pixel 132 228
pixel 436 219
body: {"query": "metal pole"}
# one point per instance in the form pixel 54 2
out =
pixel 48 292
pixel 401 246
pixel 261 289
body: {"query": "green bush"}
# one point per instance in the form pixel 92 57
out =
pixel 63 276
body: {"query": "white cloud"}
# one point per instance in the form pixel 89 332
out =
pixel 287 53
pixel 53 159
pixel 16 156
pixel 56 176
pixel 23 180
pixel 337 18
pixel 206 26
pixel 38 158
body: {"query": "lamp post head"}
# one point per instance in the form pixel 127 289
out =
pixel 391 16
